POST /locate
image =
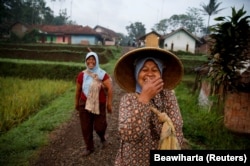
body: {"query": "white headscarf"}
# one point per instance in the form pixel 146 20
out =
pixel 87 79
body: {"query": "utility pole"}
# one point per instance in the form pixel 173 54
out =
pixel 71 9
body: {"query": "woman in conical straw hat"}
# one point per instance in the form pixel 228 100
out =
pixel 148 75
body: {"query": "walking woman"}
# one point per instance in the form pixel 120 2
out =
pixel 149 76
pixel 93 96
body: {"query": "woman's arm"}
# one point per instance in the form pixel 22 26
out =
pixel 108 85
pixel 77 95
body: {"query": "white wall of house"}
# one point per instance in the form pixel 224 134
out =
pixel 180 40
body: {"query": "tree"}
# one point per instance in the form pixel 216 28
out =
pixel 195 21
pixel 161 26
pixel 48 16
pixel 136 30
pixel 192 21
pixel 229 51
pixel 210 9
pixel 30 12
pixel 62 18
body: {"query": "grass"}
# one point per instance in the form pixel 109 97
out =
pixel 194 57
pixel 205 129
pixel 80 64
pixel 21 143
pixel 21 98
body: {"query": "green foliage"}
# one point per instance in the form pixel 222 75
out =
pixel 230 48
pixel 191 64
pixel 21 143
pixel 192 21
pixel 31 12
pixel 30 37
pixel 205 129
pixel 136 30
pixel 36 70
pixel 21 98
pixel 210 9
pixel 14 38
pixel 54 52
pixel 161 26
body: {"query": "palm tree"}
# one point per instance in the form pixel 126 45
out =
pixel 210 9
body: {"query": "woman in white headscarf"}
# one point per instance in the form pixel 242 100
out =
pixel 93 96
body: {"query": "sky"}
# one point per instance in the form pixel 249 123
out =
pixel 117 14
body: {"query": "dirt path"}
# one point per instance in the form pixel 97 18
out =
pixel 66 142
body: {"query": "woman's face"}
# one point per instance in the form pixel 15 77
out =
pixel 91 62
pixel 148 71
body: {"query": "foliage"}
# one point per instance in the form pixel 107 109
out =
pixel 23 141
pixel 161 27
pixel 40 70
pixel 136 30
pixel 210 9
pixel 205 130
pixel 192 21
pixel 31 36
pixel 62 18
pixel 30 12
pixel 21 98
pixel 27 38
pixel 230 50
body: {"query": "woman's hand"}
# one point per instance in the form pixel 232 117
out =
pixel 108 85
pixel 109 108
pixel 150 88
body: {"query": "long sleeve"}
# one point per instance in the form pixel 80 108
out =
pixel 140 129
pixel 133 118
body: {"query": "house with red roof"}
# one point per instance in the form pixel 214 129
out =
pixel 109 36
pixel 68 34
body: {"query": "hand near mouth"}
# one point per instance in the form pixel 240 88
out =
pixel 150 88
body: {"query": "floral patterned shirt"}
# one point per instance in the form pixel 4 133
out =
pixel 140 129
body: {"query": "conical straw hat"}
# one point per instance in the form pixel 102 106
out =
pixel 124 69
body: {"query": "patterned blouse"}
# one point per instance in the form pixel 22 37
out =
pixel 140 129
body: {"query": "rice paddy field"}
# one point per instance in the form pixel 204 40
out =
pixel 21 98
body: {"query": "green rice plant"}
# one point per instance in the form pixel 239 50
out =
pixel 23 142
pixel 21 98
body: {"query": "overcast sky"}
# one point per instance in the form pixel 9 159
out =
pixel 117 14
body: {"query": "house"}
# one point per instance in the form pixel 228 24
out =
pixel 19 29
pixel 180 40
pixel 109 36
pixel 151 39
pixel 204 47
pixel 68 34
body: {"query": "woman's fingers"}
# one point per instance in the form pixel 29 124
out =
pixel 153 86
